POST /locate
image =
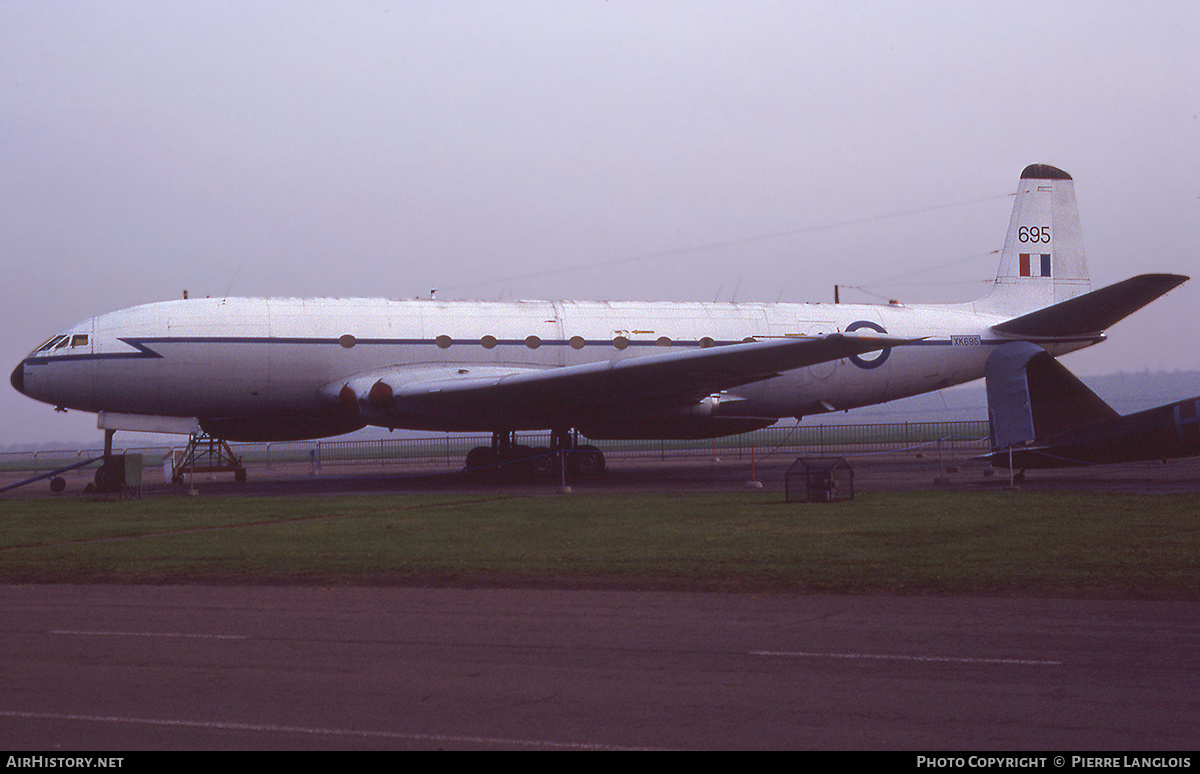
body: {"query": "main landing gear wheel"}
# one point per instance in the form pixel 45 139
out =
pixel 479 459
pixel 544 463
pixel 586 461
pixel 509 460
pixel 514 461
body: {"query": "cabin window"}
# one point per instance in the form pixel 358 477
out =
pixel 620 342
pixel 749 340
pixel 533 342
pixel 443 342
pixel 577 342
pixel 707 342
pixel 79 340
pixel 663 341
pixel 488 342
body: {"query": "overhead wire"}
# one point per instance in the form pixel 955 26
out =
pixel 721 244
pixel 891 281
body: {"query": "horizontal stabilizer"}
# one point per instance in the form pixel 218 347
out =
pixel 1092 312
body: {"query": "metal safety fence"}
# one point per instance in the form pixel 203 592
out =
pixel 448 451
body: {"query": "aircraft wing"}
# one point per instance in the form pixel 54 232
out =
pixel 674 378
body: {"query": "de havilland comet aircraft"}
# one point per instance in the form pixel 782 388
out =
pixel 256 369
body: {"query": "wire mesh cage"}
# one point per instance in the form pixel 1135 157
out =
pixel 819 480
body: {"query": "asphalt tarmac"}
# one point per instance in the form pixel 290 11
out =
pixel 152 668
pixel 112 668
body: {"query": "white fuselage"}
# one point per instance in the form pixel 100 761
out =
pixel 231 358
pixel 291 368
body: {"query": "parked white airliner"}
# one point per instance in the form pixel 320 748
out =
pixel 278 369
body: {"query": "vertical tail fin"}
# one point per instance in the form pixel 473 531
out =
pixel 1043 260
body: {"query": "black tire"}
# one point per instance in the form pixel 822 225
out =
pixel 600 464
pixel 481 458
pixel 518 462
pixel 109 478
pixel 57 484
pixel 544 463
pixel 586 461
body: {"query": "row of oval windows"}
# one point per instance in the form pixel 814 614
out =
pixel 533 342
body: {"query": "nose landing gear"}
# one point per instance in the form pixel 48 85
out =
pixel 110 476
pixel 119 473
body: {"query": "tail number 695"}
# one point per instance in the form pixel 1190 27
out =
pixel 1034 234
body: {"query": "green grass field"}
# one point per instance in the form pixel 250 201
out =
pixel 1003 542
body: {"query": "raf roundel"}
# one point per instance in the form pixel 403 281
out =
pixel 874 362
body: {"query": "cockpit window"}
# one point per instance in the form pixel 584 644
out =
pixel 63 340
pixel 53 343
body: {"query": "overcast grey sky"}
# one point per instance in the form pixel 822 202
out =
pixel 387 148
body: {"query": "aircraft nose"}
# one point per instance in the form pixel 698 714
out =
pixel 18 378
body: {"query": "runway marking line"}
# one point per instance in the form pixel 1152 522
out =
pixel 313 731
pixel 899 657
pixel 764 653
pixel 152 634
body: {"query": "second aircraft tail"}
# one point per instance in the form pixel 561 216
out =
pixel 1042 416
